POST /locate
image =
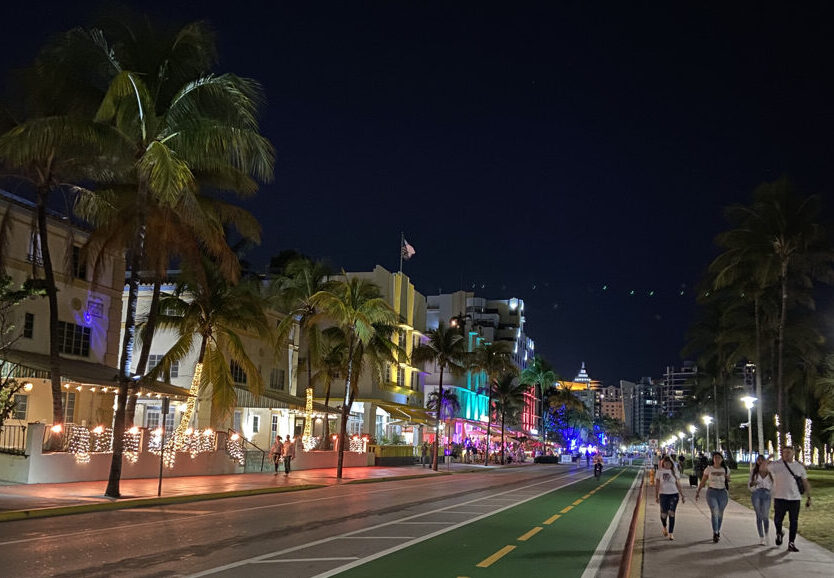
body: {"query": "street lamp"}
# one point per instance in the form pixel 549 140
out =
pixel 681 436
pixel 707 419
pixel 692 430
pixel 748 402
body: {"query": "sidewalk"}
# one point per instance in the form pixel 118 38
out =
pixel 693 552
pixel 28 497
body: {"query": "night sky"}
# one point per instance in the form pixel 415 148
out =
pixel 543 152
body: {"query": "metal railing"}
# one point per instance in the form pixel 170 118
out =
pixel 13 440
pixel 250 448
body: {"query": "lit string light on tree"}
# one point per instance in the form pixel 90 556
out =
pixel 101 440
pixel 79 443
pixel 234 447
pixel 132 441
pixel 806 445
pixel 307 441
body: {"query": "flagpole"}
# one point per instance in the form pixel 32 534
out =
pixel 402 244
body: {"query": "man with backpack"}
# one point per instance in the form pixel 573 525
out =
pixel 790 481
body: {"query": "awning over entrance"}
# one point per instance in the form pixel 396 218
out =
pixel 280 399
pixel 85 372
pixel 405 412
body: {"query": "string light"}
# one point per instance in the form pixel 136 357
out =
pixel 131 440
pixel 778 435
pixel 101 440
pixel 308 442
pixel 806 445
pixel 79 444
pixel 234 447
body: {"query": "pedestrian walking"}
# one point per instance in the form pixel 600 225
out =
pixel 424 451
pixel 289 455
pixel 717 479
pixel 790 481
pixel 275 452
pixel 667 492
pixel 761 484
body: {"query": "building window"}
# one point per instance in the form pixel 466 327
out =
pixel 21 402
pixel 73 339
pixel 276 379
pixel 236 422
pixel 69 407
pixel 274 427
pixel 354 424
pixel 401 376
pixel 29 325
pixel 256 424
pixel 79 264
pixel 152 419
pixel 238 375
pixel 155 359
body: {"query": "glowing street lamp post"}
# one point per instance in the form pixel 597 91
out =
pixel 749 402
pixel 707 420
pixel 692 430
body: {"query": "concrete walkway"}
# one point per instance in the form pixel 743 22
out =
pixel 16 497
pixel 738 553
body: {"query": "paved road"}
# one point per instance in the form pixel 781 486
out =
pixel 299 534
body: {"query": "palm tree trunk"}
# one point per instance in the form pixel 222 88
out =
pixel 345 411
pixel 439 416
pixel 326 437
pixel 503 413
pixel 759 421
pixel 780 409
pixel 137 251
pixel 52 297
pixel 144 355
pixel 489 418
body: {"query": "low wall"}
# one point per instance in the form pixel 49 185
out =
pixel 38 467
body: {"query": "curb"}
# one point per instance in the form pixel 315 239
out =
pixel 396 478
pixel 14 515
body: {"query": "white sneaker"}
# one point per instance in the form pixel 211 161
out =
pixel 762 541
pixel 672 537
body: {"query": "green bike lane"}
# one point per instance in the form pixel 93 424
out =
pixel 557 531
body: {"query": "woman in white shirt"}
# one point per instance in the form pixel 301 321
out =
pixel 717 479
pixel 761 483
pixel 667 490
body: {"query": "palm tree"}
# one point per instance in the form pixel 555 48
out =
pixel 509 400
pixel 174 125
pixel 331 360
pixel 445 405
pixel 293 292
pixel 494 359
pixel 541 377
pixel 53 149
pixel 207 306
pixel 356 307
pixel 446 349
pixel 780 235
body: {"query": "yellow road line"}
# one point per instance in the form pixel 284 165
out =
pixel 487 562
pixel 577 502
pixel 586 496
pixel 552 519
pixel 566 509
pixel 530 534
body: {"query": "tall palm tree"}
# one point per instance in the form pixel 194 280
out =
pixel 509 400
pixel 445 405
pixel 293 293
pixel 53 149
pixel 355 306
pixel 780 231
pixel 175 125
pixel 494 359
pixel 207 306
pixel 331 360
pixel 446 349
pixel 541 377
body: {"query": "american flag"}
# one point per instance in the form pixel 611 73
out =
pixel 407 250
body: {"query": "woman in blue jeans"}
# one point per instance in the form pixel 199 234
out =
pixel 761 483
pixel 717 479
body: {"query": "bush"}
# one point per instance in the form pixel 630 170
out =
pixel 546 460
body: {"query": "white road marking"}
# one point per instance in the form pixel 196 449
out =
pixel 598 556
pixel 423 523
pixel 158 511
pixel 376 537
pixel 213 513
pixel 289 560
pixel 358 562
